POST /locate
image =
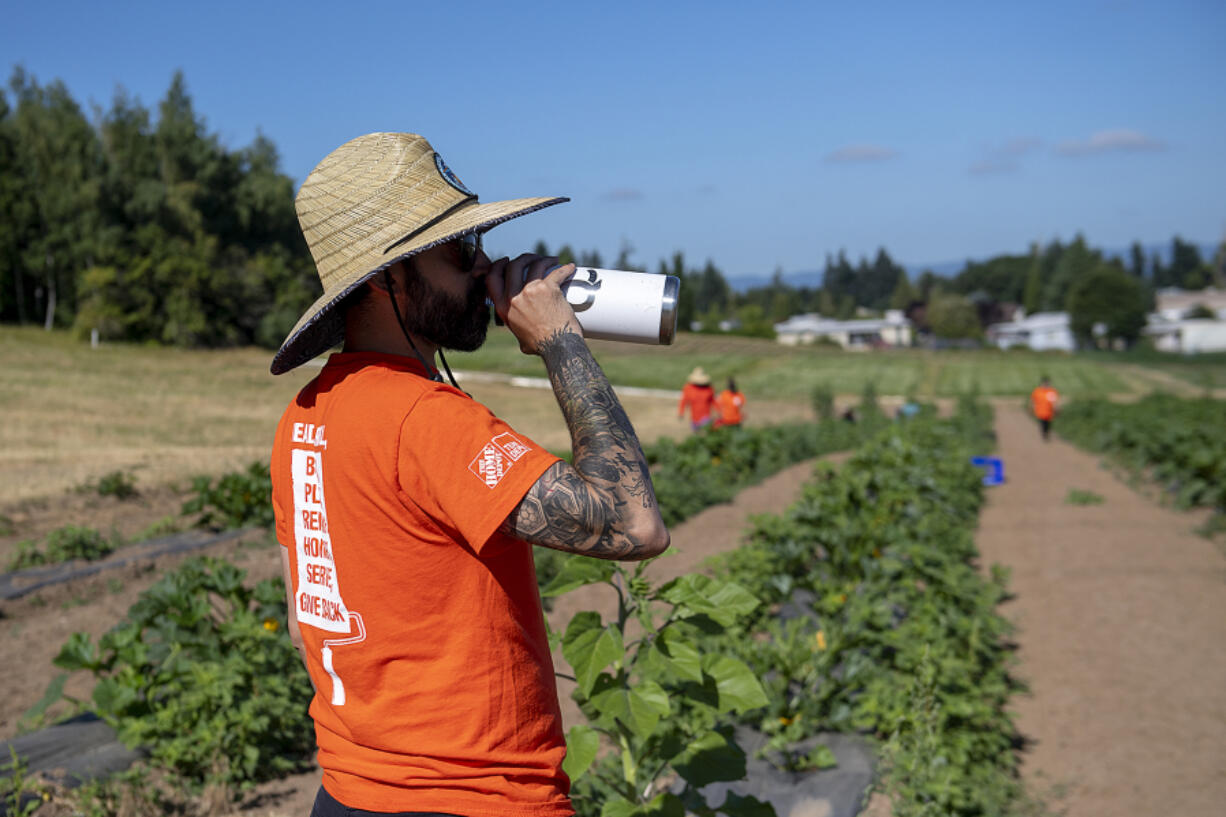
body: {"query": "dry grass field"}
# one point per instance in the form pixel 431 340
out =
pixel 72 414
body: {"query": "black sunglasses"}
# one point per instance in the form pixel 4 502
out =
pixel 470 247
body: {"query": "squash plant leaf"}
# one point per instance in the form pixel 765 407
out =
pixel 576 572
pixel 739 689
pixel 582 742
pixel 748 806
pixel 678 654
pixel 724 602
pixel 710 758
pixel 590 647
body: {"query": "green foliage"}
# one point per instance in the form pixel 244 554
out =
pixel 238 499
pixel 953 316
pixel 713 466
pixel 823 402
pixel 203 674
pixel 119 484
pixel 709 468
pixel 1076 496
pixel 1176 442
pixel 1109 296
pixel 63 545
pixel 144 230
pixel 20 796
pixel 653 684
pixel 876 564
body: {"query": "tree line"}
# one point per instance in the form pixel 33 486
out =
pixel 147 228
pixel 144 228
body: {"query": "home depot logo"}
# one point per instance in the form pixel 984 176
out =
pixel 497 457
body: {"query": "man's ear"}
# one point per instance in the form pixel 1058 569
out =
pixel 380 282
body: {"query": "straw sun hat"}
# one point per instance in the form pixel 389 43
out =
pixel 698 377
pixel 373 201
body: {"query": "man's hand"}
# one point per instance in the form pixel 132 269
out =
pixel 529 301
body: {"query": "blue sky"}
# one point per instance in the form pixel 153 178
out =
pixel 760 135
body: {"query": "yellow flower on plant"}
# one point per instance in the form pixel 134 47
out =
pixel 715 460
pixel 821 639
pixel 876 553
pixel 842 598
pixel 785 721
pixel 271 625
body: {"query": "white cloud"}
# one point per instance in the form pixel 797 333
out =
pixel 1105 141
pixel 861 153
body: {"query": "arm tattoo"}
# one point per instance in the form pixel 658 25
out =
pixel 585 508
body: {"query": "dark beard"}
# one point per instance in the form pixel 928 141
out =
pixel 444 319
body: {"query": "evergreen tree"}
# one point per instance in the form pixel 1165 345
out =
pixel 1187 269
pixel 1076 262
pixel 1136 255
pixel 1032 291
pixel 903 293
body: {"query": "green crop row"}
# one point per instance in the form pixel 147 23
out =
pixel 1178 442
pixel 887 627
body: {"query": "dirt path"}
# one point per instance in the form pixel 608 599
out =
pixel 1121 615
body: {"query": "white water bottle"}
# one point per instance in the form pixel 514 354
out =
pixel 635 307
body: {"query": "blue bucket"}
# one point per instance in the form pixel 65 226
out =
pixel 994 469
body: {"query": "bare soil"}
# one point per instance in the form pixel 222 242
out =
pixel 1121 616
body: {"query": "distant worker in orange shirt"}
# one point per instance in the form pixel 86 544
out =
pixel 699 397
pixel 730 404
pixel 1044 400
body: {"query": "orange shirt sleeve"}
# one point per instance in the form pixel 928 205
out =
pixel 464 467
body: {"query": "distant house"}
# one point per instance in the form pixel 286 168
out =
pixel 1041 331
pixel 1187 336
pixel 1173 303
pixel 865 333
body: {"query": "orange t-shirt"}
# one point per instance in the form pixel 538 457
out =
pixel 422 623
pixel 699 399
pixel 1044 399
pixel 730 403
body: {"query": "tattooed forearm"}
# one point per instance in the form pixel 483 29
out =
pixel 604 504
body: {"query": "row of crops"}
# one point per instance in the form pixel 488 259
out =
pixel 1177 442
pixel 857 610
pixel 892 634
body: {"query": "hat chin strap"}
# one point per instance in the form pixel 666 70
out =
pixel 436 377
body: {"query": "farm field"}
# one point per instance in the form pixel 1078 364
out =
pixel 74 414
pixel 767 369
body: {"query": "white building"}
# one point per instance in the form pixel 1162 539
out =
pixel 868 333
pixel 1187 336
pixel 1041 331
pixel 1173 303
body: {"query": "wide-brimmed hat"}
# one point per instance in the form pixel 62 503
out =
pixel 698 377
pixel 373 201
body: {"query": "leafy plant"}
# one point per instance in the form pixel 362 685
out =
pixel 238 499
pixel 119 484
pixel 63 545
pixel 822 397
pixel 874 567
pixel 202 673
pixel 21 795
pixel 1176 442
pixel 1076 496
pixel 656 694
